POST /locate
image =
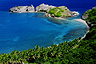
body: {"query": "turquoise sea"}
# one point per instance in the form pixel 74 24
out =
pixel 22 31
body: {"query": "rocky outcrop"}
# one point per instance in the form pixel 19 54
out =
pixel 44 8
pixel 22 9
pixel 89 18
pixel 85 15
pixel 51 11
pixel 61 11
pixel 74 13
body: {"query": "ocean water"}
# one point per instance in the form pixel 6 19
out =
pixel 22 31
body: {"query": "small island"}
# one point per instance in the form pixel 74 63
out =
pixel 51 11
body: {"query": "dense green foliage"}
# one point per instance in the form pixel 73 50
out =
pixel 91 16
pixel 91 34
pixel 56 11
pixel 82 52
pixel 73 52
pixel 58 14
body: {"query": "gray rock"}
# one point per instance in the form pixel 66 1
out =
pixel 94 7
pixel 22 9
pixel 75 13
pixel 89 22
pixel 44 8
pixel 31 8
pixel 84 16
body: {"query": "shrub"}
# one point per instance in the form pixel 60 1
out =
pixel 58 14
pixel 53 11
pixel 18 8
pixel 63 15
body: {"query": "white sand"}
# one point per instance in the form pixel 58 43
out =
pixel 80 20
pixel 83 21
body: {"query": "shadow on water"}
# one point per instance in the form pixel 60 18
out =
pixel 71 34
pixel 50 19
pixel 74 33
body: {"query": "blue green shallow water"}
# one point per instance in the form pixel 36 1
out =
pixel 25 30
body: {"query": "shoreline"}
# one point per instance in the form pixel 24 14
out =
pixel 84 22
pixel 79 20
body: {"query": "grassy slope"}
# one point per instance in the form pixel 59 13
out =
pixel 75 52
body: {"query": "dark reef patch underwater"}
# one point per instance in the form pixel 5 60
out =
pixel 22 31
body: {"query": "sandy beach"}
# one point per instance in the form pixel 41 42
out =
pixel 80 20
pixel 83 21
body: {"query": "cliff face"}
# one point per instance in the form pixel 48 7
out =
pixel 44 8
pixel 90 17
pixel 21 9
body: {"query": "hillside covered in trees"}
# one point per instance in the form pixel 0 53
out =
pixel 74 52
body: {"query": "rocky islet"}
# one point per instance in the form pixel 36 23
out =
pixel 22 9
pixel 61 11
